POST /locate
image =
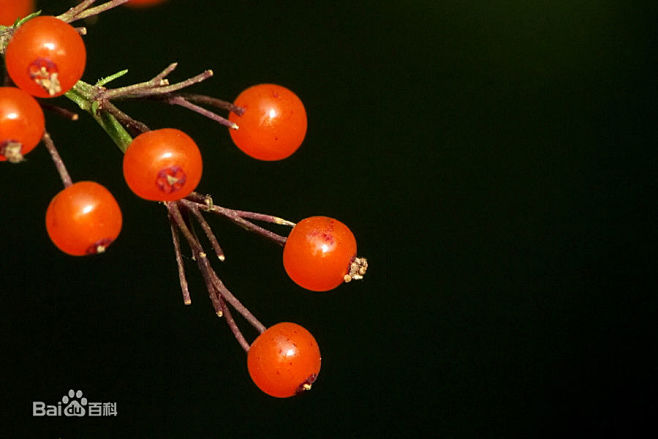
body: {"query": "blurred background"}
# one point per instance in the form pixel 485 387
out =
pixel 496 161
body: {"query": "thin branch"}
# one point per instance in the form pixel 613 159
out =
pixel 60 111
pixel 70 15
pixel 197 252
pixel 57 160
pixel 264 217
pixel 206 202
pixel 182 102
pixel 235 303
pixel 156 86
pixel 213 102
pixel 179 262
pixel 176 215
pixel 206 273
pixel 235 218
pixel 127 121
pixel 157 79
pixel 80 11
pixel 233 326
pixel 209 234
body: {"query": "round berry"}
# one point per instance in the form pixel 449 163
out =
pixel 162 165
pixel 83 219
pixel 318 253
pixel 46 57
pixel 284 360
pixel 11 10
pixel 21 123
pixel 273 124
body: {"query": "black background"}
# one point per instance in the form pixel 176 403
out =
pixel 496 161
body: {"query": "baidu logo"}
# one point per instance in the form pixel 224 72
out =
pixel 73 404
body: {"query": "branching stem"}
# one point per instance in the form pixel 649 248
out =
pixel 82 10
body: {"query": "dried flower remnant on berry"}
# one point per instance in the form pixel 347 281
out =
pixel 44 72
pixel 171 179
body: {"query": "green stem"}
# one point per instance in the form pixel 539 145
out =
pixel 114 129
pixel 82 95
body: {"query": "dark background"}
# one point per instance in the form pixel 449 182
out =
pixel 496 161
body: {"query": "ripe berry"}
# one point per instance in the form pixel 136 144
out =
pixel 284 360
pixel 21 123
pixel 83 219
pixel 11 10
pixel 45 57
pixel 273 124
pixel 318 253
pixel 162 165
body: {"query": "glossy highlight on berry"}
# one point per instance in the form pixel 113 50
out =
pixel 284 360
pixel 83 219
pixel 318 253
pixel 45 57
pixel 273 125
pixel 162 165
pixel 21 124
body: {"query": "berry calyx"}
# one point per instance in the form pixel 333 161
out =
pixel 83 219
pixel 21 124
pixel 273 125
pixel 284 360
pixel 319 254
pixel 162 165
pixel 45 57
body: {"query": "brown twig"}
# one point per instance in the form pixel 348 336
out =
pixel 158 85
pixel 134 125
pixel 235 303
pixel 183 102
pixel 57 160
pixel 60 111
pixel 233 326
pixel 179 262
pixel 83 10
pixel 212 102
pixel 233 216
pixel 217 291
pixel 209 234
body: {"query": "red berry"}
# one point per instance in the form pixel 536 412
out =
pixel 162 165
pixel 284 360
pixel 11 10
pixel 318 253
pixel 46 57
pixel 83 219
pixel 273 124
pixel 21 123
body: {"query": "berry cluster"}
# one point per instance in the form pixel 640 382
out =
pixel 45 58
